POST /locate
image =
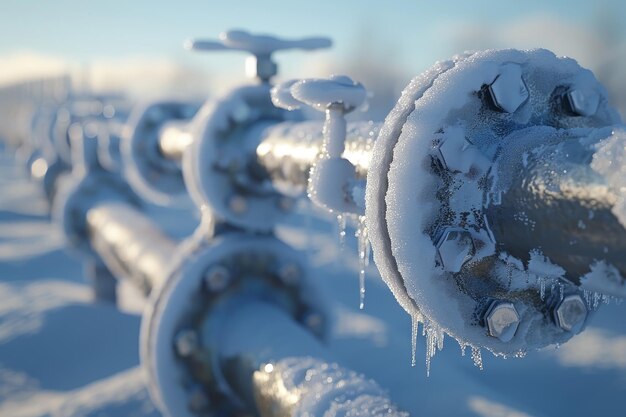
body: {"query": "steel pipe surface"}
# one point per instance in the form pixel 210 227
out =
pixel 130 245
pixel 288 150
pixel 280 369
pixel 555 202
pixel 174 138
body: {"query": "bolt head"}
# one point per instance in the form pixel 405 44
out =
pixel 509 91
pixel 502 320
pixel 455 247
pixel 570 313
pixel 450 154
pixel 583 101
pixel 186 342
pixel 217 278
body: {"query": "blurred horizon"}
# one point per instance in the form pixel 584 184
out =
pixel 136 47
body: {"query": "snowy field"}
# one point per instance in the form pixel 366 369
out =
pixel 63 355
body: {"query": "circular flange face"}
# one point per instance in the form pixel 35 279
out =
pixel 204 276
pixel 221 172
pixel 76 195
pixel 429 181
pixel 149 173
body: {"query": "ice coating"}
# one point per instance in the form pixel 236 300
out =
pixel 423 123
pixel 321 93
pixel 402 203
pixel 324 389
pixel 327 185
pixel 364 250
pixel 282 97
pixel 610 161
pixel 266 44
pixel 377 184
pixel 605 279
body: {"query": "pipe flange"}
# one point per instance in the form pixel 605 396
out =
pixel 151 175
pixel 221 170
pixel 76 195
pixel 430 179
pixel 178 340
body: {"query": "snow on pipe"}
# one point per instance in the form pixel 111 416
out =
pixel 432 193
pixel 279 369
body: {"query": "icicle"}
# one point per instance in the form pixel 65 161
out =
pixel 596 300
pixel 364 255
pixel 341 222
pixel 414 326
pixel 430 347
pixel 434 342
pixel 477 358
pixel 605 299
pixel 440 337
pixel 542 288
pixel 587 295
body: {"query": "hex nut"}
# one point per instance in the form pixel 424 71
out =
pixel 450 155
pixel 455 247
pixel 217 278
pixel 583 101
pixel 570 313
pixel 502 320
pixel 186 342
pixel 508 91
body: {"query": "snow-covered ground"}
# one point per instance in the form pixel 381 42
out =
pixel 63 355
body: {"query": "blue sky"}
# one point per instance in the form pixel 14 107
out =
pixel 413 32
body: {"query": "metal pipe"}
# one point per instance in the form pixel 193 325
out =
pixel 130 245
pixel 278 369
pixel 555 202
pixel 174 138
pixel 287 151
